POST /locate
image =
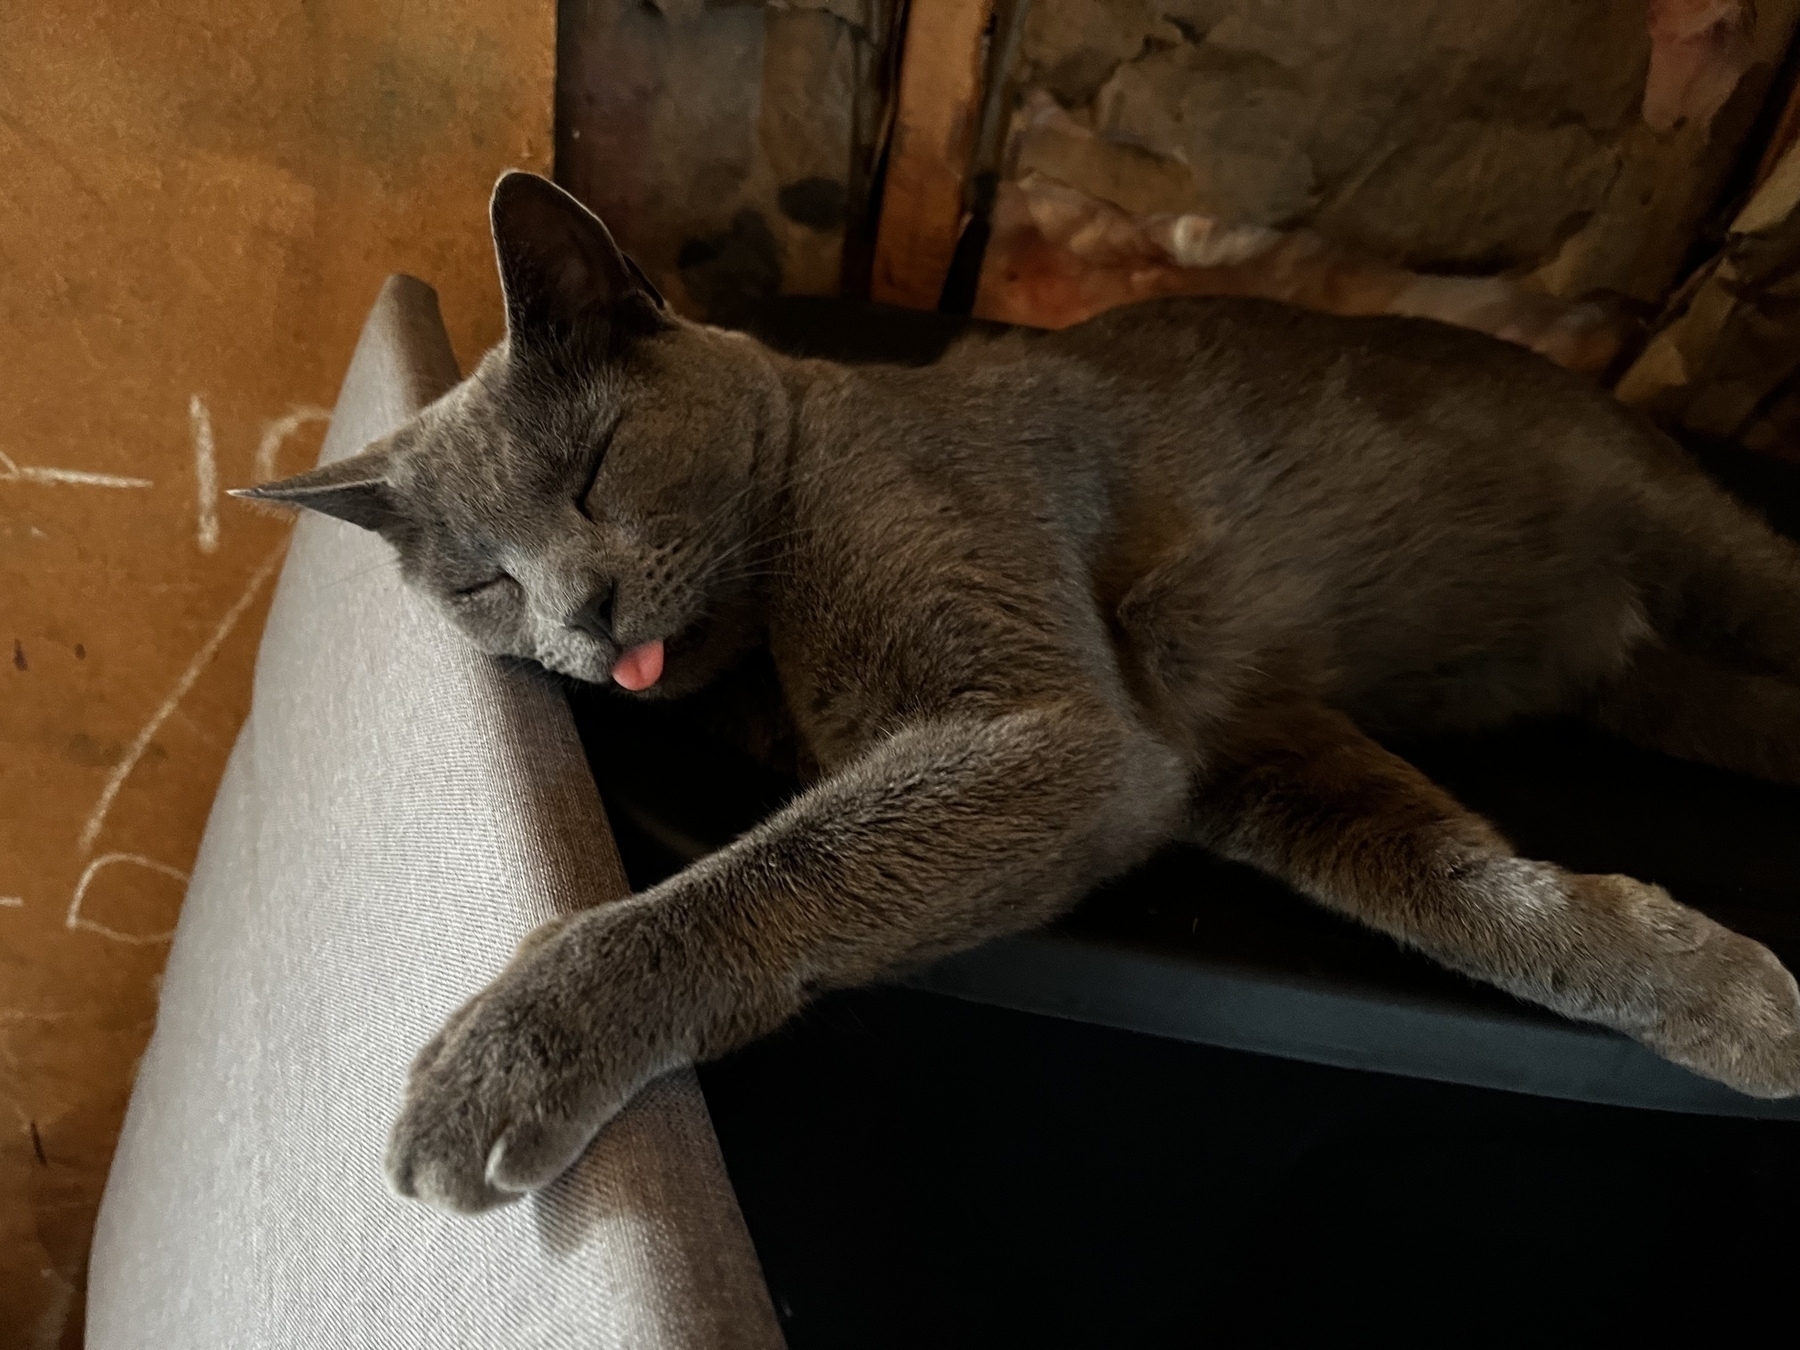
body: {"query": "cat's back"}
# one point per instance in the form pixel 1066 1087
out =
pixel 1291 431
pixel 1244 351
pixel 1236 392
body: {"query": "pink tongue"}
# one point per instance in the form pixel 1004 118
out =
pixel 640 667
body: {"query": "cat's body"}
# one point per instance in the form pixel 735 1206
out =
pixel 1046 605
pixel 1231 499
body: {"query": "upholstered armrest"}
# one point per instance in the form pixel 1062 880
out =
pixel 397 813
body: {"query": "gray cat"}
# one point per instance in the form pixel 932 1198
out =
pixel 1047 605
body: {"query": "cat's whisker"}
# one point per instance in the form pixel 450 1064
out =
pixel 744 565
pixel 740 577
pixel 381 565
pixel 751 543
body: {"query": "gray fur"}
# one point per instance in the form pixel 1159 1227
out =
pixel 1048 604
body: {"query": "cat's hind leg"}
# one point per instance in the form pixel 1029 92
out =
pixel 1696 708
pixel 1299 792
pixel 1719 679
pixel 1719 584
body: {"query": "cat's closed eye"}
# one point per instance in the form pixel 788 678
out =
pixel 480 589
pixel 593 473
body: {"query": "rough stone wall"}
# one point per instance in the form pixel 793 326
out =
pixel 1334 151
pixel 1725 362
pixel 1441 137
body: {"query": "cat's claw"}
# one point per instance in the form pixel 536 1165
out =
pixel 512 1090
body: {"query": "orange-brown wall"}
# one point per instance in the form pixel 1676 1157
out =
pixel 197 204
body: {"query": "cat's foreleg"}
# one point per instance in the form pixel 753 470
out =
pixel 953 830
pixel 1302 794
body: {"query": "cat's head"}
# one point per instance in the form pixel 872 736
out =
pixel 594 497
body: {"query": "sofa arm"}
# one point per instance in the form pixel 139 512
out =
pixel 397 813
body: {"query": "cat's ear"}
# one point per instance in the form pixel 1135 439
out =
pixel 558 263
pixel 357 489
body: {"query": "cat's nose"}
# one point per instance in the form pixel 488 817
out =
pixel 595 615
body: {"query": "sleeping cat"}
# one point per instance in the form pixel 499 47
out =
pixel 1039 609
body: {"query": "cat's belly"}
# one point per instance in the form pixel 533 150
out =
pixel 1424 653
pixel 1427 669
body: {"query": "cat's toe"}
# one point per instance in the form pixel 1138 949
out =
pixel 507 1096
pixel 472 1136
pixel 500 1063
pixel 437 1153
pixel 531 1154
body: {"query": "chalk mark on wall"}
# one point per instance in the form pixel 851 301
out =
pixel 206 474
pixel 77 920
pixel 277 432
pixel 141 742
pixel 12 901
pixel 11 472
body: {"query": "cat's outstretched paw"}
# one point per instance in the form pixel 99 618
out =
pixel 1725 1006
pixel 511 1091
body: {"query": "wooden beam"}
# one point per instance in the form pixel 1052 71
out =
pixel 928 162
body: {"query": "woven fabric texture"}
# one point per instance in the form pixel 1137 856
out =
pixel 397 813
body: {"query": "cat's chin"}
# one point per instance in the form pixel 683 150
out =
pixel 690 659
pixel 583 668
pixel 607 671
pixel 631 671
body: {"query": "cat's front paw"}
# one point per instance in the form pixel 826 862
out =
pixel 509 1094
